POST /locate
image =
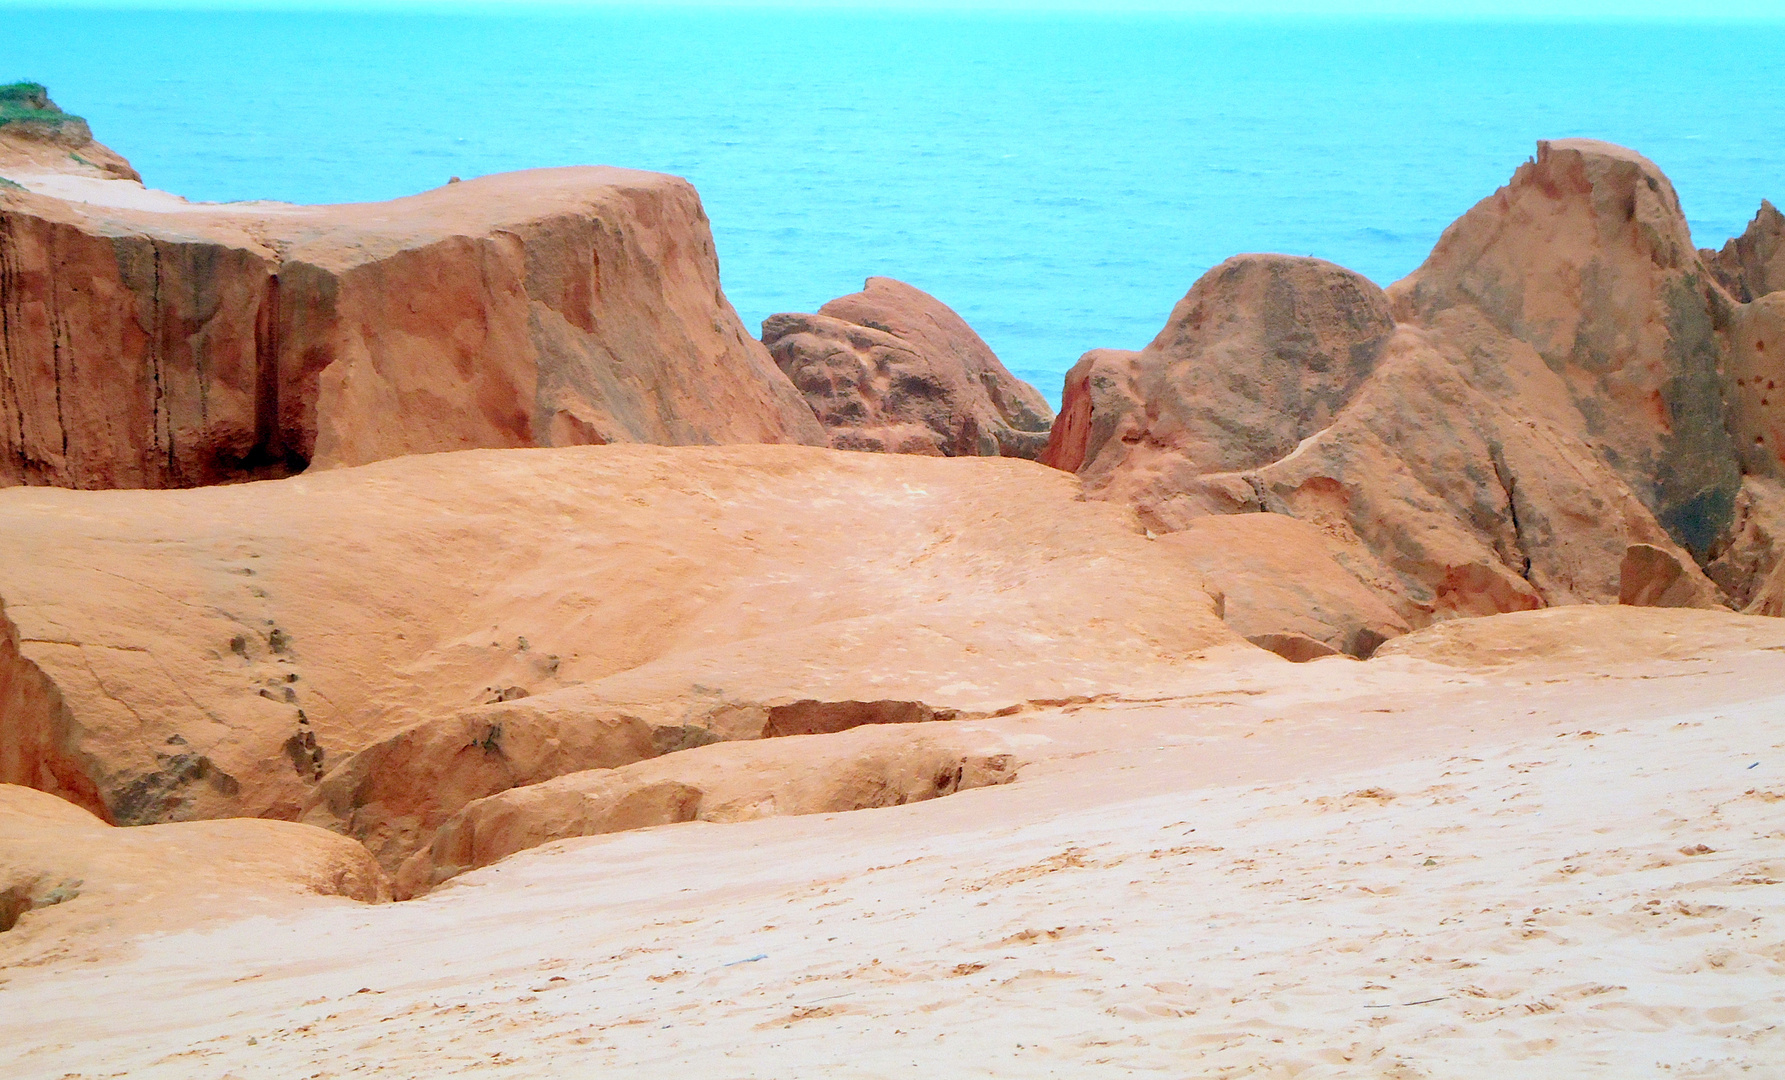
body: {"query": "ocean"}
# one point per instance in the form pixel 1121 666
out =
pixel 1060 180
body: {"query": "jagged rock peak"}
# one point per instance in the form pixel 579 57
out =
pixel 1753 264
pixel 1586 257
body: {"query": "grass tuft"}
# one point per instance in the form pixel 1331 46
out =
pixel 29 103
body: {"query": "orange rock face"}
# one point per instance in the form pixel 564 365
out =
pixel 1284 582
pixel 893 369
pixel 1262 353
pixel 154 343
pixel 1586 257
pixel 1753 264
pixel 1551 399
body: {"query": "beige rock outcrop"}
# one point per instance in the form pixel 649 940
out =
pixel 476 620
pixel 1652 576
pixel 893 369
pixel 1586 257
pixel 1550 400
pixel 149 342
pixel 858 770
pixel 69 882
pixel 1285 586
pixel 1753 264
pixel 1585 642
pixel 1263 352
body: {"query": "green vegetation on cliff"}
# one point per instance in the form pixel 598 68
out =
pixel 29 104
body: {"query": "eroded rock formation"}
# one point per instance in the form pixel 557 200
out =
pixel 69 881
pixel 1753 264
pixel 736 782
pixel 149 342
pixel 1586 257
pixel 379 645
pixel 893 369
pixel 36 135
pixel 1263 352
pixel 1498 432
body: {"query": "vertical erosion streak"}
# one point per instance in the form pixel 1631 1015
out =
pixel 162 435
pixel 269 444
pixel 11 399
pixel 1509 484
pixel 58 332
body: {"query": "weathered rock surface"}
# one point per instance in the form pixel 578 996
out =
pixel 1263 352
pixel 489 618
pixel 858 770
pixel 893 369
pixel 67 878
pixel 1652 576
pixel 1285 586
pixel 1551 399
pixel 1457 480
pixel 1584 641
pixel 1769 597
pixel 1757 366
pixel 149 342
pixel 1753 264
pixel 1585 256
pixel 1755 543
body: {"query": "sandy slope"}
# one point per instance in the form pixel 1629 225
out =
pixel 1515 867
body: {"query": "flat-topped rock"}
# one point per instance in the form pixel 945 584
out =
pixel 157 343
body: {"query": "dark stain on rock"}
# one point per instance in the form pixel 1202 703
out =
pixel 158 795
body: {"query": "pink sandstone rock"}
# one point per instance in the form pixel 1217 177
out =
pixel 1753 264
pixel 1585 256
pixel 149 342
pixel 893 369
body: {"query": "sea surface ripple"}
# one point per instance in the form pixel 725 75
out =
pixel 1060 180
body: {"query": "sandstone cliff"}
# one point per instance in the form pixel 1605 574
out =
pixel 893 369
pixel 148 342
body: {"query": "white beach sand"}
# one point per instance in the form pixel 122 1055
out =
pixel 1529 873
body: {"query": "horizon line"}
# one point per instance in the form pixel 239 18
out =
pixel 1397 11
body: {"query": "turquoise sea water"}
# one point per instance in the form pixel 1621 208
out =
pixel 1059 180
